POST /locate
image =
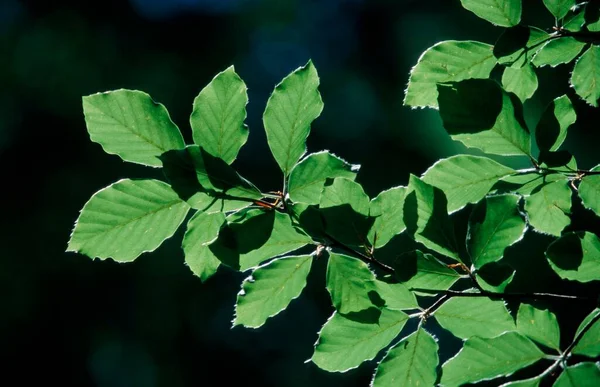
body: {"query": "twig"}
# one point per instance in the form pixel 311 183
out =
pixel 505 296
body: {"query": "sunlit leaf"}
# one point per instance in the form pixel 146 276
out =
pixel 423 271
pixel 202 229
pixel 487 359
pixel 128 123
pixel 350 283
pixel 465 178
pixel 527 183
pixel 387 209
pixel 558 51
pixel 589 344
pixel 217 120
pixel 539 325
pixel 521 81
pixel 589 191
pixel 126 219
pixel 293 106
pixel 270 289
pixel 308 176
pixel 551 130
pixel 576 256
pixel 493 124
pixel 345 210
pixel 587 320
pixel 585 78
pixel 396 296
pixel 504 13
pixel 494 225
pixel 518 45
pixel 427 220
pixel 559 8
pixel 344 343
pixel 548 208
pixel 465 317
pixel 579 375
pixel 448 61
pixel 411 362
pixel 495 276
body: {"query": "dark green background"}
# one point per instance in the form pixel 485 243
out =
pixel 67 319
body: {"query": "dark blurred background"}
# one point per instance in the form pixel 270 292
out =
pixel 70 320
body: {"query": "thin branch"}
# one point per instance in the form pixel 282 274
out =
pixel 506 296
pixel 362 256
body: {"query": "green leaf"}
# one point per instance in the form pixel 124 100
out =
pixel 270 289
pixel 589 191
pixel 350 283
pixel 493 124
pixel 559 8
pixel 587 320
pixel 411 362
pixel 424 271
pixel 396 296
pixel 548 208
pixel 527 183
pixel 487 359
pixel 558 51
pixel 128 123
pixel 257 237
pixel 307 179
pixel 521 81
pixel 533 382
pixel 585 78
pixel 465 317
pixel 293 106
pixel 539 325
pixel 344 343
pixel 427 220
pixel 495 224
pixel 218 117
pixel 518 45
pixel 495 276
pixel 551 130
pixel 202 229
pixel 589 344
pixel 576 256
pixel 448 61
pixel 504 13
pixel 465 178
pixel 194 170
pixel 387 209
pixel 126 219
pixel 345 211
pixel 579 375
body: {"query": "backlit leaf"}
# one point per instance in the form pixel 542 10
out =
pixel 559 8
pixel 448 61
pixel 539 325
pixel 465 317
pixel 396 296
pixel 411 362
pixel 585 78
pixel 493 124
pixel 494 225
pixel 202 229
pixel 350 283
pixel 579 375
pixel 308 176
pixel 270 289
pixel 589 344
pixel 589 191
pixel 387 209
pixel 487 359
pixel 344 343
pixel 504 13
pixel 293 106
pixel 548 209
pixel 521 81
pixel 558 51
pixel 128 123
pixel 126 219
pixel 551 130
pixel 576 256
pixel 217 120
pixel 465 178
pixel 423 271
pixel 427 220
pixel 517 46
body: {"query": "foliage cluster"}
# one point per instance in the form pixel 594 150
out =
pixel 457 273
